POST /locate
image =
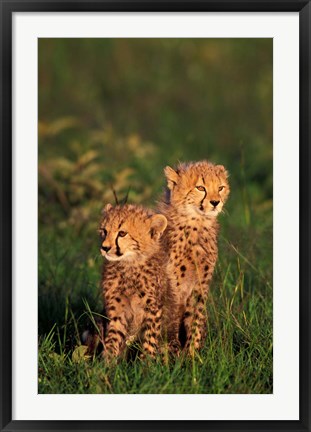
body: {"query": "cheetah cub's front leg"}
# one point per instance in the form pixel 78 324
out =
pixel 117 331
pixel 195 317
pixel 151 328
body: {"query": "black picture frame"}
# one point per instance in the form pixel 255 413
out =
pixel 7 9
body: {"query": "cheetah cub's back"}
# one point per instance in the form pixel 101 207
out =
pixel 196 194
pixel 134 280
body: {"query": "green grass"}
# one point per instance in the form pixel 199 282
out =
pixel 237 357
pixel 112 115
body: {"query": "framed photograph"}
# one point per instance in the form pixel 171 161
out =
pixel 155 215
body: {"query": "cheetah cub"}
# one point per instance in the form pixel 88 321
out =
pixel 134 279
pixel 196 194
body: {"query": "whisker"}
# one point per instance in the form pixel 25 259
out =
pixel 96 257
pixel 225 211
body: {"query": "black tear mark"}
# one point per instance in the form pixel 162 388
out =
pixel 201 203
pixel 118 253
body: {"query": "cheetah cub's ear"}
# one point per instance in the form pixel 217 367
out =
pixel 222 170
pixel 158 223
pixel 171 177
pixel 106 209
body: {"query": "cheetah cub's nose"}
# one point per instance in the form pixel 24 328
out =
pixel 106 248
pixel 214 203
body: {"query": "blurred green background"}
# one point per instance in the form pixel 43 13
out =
pixel 112 114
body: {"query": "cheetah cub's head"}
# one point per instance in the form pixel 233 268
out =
pixel 198 188
pixel 130 232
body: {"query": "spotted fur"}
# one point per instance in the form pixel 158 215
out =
pixel 196 194
pixel 134 281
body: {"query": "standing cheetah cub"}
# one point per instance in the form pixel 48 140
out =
pixel 134 280
pixel 197 192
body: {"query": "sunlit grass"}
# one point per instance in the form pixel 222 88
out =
pixel 236 358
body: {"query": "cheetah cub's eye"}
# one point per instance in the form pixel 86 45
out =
pixel 200 188
pixel 103 233
pixel 122 233
pixel 220 188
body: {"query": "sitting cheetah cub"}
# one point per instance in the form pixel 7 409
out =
pixel 196 194
pixel 134 280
